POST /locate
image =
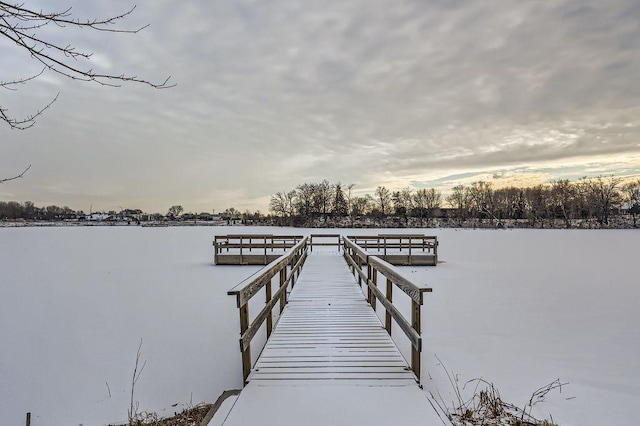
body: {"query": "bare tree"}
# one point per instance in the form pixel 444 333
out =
pixel 403 203
pixel 282 204
pixel 323 197
pixel 481 199
pixel 383 200
pixel 361 206
pixel 563 200
pixel 459 200
pixel 340 204
pixel 348 196
pixel 631 192
pixel 425 201
pixel 603 194
pixel 304 199
pixel 536 204
pixel 25 27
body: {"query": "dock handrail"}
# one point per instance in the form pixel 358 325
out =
pixel 337 243
pixel 248 288
pixel 384 242
pixel 244 244
pixel 357 257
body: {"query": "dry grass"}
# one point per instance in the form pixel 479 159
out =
pixel 486 406
pixel 188 417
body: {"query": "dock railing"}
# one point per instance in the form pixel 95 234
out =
pixel 321 240
pixel 287 267
pixel 356 258
pixel 251 249
pixel 400 249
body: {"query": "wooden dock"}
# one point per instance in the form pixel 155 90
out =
pixel 262 249
pixel 329 360
pixel 329 332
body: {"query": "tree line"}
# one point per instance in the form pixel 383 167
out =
pixel 563 202
pixel 14 210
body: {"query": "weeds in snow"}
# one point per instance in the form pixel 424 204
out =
pixel 134 416
pixel 486 406
pixel 191 416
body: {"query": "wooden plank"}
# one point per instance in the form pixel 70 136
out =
pixel 258 245
pixel 377 376
pixel 409 260
pixel 245 259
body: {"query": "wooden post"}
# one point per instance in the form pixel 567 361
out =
pixel 415 324
pixel 270 316
pixel 410 244
pixel 28 419
pixel 369 278
pixel 435 250
pixel 241 250
pixel 283 279
pixel 349 251
pixel 246 353
pixel 359 267
pixel 387 316
pixel 374 278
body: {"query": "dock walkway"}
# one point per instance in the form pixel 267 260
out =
pixel 329 361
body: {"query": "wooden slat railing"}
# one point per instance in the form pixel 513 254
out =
pixel 337 240
pixel 398 242
pixel 287 267
pixel 357 257
pixel 241 249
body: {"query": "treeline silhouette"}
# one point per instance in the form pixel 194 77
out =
pixel 560 203
pixel 29 211
pixel 592 202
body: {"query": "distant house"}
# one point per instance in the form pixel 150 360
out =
pixel 99 217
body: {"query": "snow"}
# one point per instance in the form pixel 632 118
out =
pixel 522 308
pixel 335 405
pixel 519 308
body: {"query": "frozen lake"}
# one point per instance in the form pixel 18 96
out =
pixel 519 308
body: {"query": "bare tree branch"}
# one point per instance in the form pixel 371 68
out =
pixel 16 177
pixel 20 25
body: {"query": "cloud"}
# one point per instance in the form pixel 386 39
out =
pixel 272 94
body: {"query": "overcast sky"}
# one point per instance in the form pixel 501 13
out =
pixel 271 94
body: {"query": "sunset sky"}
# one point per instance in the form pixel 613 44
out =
pixel 272 94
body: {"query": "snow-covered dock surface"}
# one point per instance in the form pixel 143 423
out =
pixel 330 361
pixel 332 405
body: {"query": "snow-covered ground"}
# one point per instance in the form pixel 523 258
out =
pixel 519 308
